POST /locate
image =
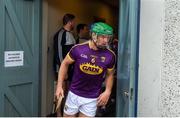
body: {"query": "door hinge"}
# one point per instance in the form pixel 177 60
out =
pixel 131 93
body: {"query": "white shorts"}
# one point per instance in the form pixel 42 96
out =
pixel 75 104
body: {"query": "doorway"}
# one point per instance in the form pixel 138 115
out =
pixel 126 16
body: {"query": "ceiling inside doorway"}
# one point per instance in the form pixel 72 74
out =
pixel 113 3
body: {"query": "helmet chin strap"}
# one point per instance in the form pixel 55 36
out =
pixel 99 46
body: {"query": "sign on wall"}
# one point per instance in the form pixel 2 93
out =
pixel 13 58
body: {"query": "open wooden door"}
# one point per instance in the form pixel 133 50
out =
pixel 19 57
pixel 127 70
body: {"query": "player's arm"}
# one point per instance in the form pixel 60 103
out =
pixel 62 74
pixel 104 97
pixel 110 75
pixel 109 81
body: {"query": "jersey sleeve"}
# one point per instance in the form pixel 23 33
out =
pixel 112 63
pixel 72 54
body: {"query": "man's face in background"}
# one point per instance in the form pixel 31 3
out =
pixel 84 33
pixel 72 24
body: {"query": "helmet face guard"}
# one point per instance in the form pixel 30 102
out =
pixel 96 39
pixel 101 29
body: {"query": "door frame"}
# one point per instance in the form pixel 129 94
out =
pixel 44 48
pixel 134 25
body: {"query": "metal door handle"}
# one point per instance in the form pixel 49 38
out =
pixel 126 94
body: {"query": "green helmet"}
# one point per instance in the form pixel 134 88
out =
pixel 102 29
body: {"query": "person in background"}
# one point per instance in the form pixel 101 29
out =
pixel 83 33
pixel 62 45
pixel 65 37
pixel 115 44
pixel 93 64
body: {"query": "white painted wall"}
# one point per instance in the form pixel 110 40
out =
pixel 170 82
pixel 159 60
pixel 150 57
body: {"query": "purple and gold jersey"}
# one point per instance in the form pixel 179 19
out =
pixel 89 69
